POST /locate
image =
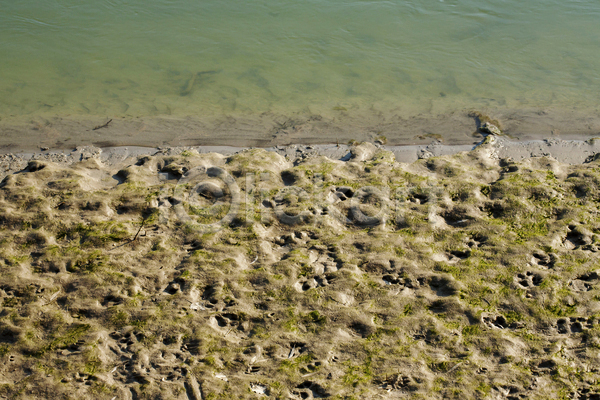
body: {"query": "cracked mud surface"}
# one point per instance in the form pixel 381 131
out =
pixel 480 280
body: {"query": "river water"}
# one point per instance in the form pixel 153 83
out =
pixel 217 59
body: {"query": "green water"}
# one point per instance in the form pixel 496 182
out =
pixel 133 58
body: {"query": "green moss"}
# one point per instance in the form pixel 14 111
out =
pixel 87 263
pixel 119 318
pixel 356 375
pixel 70 337
pixel 4 349
pixel 471 330
pixel 293 365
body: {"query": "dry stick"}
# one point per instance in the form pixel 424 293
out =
pixel 139 230
pixel 453 368
pixel 103 126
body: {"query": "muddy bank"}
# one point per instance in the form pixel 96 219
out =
pixel 478 278
pixel 565 151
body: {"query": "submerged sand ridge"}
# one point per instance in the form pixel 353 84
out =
pixel 460 275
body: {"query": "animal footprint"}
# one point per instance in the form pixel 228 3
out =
pixel 577 237
pixel 398 382
pixel 344 193
pixel 528 280
pixel 323 262
pixel 573 324
pixel 585 282
pixel 457 255
pixel 310 283
pixel 588 394
pixel 253 369
pixel 296 348
pixel 312 367
pixel 305 284
pixel 76 346
pixel 193 346
pixel 112 300
pixel 294 239
pixel 228 319
pixel 476 241
pixel 127 339
pixel 174 287
pixel 594 249
pixel 310 390
pixel 410 283
pixel 497 321
pixel 324 280
pixel 542 259
pixel 211 303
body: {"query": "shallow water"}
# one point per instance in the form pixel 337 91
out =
pixel 132 58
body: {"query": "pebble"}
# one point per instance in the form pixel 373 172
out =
pixel 491 129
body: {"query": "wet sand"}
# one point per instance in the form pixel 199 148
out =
pixel 28 134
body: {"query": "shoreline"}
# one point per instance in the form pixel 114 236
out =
pixel 566 151
pixel 270 129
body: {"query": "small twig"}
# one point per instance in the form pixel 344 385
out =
pixel 339 302
pixel 52 298
pixel 139 230
pixel 453 368
pixel 103 126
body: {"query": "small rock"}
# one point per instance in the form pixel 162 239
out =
pixel 87 152
pixel 222 377
pixel 424 154
pixel 259 389
pixel 197 306
pixel 44 148
pixel 490 129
